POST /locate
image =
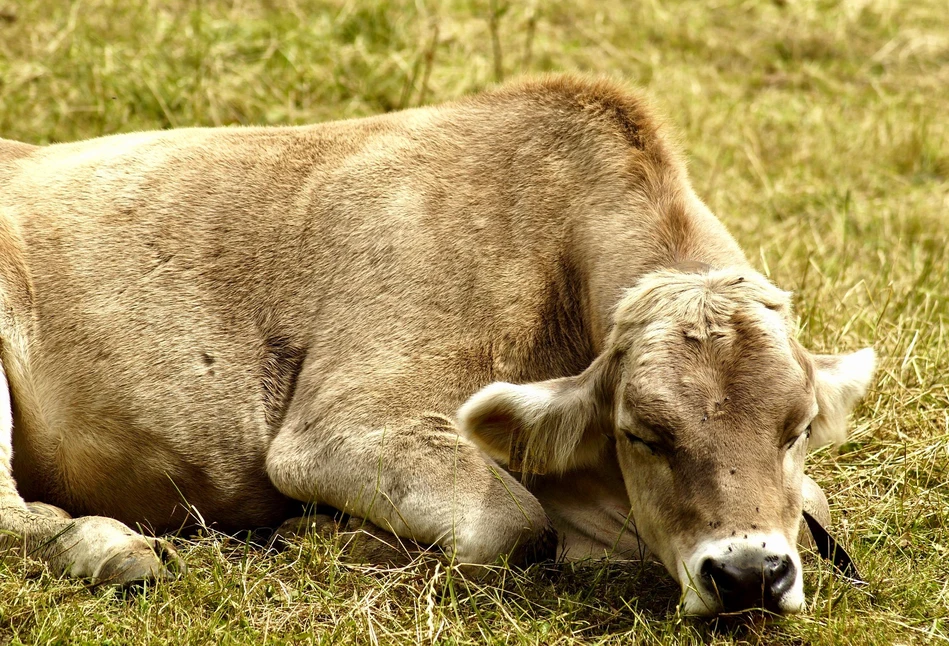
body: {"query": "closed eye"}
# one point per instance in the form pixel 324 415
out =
pixel 792 441
pixel 652 447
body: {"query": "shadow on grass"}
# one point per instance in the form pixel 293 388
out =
pixel 241 582
pixel 595 599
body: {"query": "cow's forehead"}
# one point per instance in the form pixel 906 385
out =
pixel 696 342
pixel 703 305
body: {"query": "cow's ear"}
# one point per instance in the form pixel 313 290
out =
pixel 545 426
pixel 840 381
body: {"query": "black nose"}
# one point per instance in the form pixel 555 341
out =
pixel 757 583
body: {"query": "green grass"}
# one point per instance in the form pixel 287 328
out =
pixel 816 130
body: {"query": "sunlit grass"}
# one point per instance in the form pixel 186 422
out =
pixel 816 130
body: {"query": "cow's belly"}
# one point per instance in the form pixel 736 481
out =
pixel 140 476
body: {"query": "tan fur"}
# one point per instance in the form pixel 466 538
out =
pixel 225 322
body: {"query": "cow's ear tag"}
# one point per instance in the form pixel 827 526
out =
pixel 518 461
pixel 831 550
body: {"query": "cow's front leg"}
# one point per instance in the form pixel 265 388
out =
pixel 92 547
pixel 417 479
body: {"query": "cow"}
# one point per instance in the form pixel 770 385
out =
pixel 478 326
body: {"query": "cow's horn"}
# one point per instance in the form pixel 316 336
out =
pixel 834 552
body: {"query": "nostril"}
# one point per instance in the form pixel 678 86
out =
pixel 780 574
pixel 709 566
pixel 726 579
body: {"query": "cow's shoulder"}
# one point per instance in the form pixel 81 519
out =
pixel 12 154
pixel 589 102
pixel 11 150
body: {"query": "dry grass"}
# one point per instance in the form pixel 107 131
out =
pixel 816 130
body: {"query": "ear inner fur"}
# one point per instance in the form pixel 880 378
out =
pixel 519 461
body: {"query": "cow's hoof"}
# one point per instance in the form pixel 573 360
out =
pixel 320 525
pixel 540 547
pixel 359 541
pixel 105 551
pixel 47 511
pixel 142 563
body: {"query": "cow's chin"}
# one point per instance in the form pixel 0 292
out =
pixel 701 599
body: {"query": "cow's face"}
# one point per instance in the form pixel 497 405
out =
pixel 709 406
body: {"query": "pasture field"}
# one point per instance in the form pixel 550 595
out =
pixel 817 130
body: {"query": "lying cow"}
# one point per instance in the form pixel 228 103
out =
pixel 231 321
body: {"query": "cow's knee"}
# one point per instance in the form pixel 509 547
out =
pixel 517 530
pixel 515 545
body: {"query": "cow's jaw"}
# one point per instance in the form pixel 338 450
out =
pixel 753 552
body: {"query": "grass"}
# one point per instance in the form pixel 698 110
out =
pixel 816 130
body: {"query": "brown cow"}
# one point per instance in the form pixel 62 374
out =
pixel 230 321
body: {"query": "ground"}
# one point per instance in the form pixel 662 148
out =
pixel 816 130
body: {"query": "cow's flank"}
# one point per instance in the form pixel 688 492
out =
pixel 226 323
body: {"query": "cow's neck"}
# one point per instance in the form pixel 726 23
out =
pixel 676 230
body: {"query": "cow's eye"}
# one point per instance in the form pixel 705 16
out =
pixel 794 440
pixel 652 447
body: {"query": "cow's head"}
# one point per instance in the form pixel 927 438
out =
pixel 709 404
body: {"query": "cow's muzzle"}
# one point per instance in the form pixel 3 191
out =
pixel 750 581
pixel 742 573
